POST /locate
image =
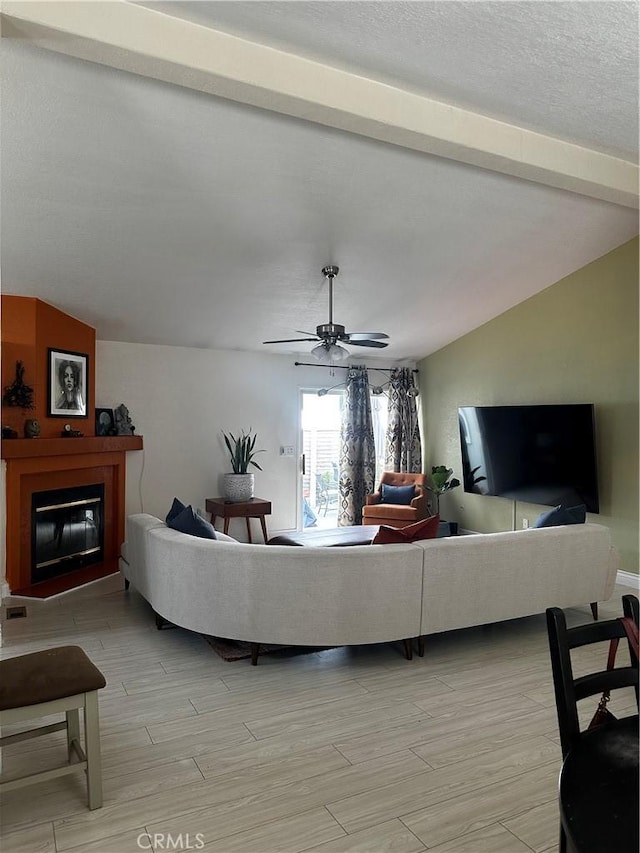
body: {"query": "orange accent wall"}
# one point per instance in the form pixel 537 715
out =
pixel 29 327
pixel 18 340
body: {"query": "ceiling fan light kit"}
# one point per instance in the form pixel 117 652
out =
pixel 328 350
pixel 328 353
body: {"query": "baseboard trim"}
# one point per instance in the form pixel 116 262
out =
pixel 628 579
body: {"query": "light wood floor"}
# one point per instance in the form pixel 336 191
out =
pixel 350 749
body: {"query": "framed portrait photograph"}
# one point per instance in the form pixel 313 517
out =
pixel 68 379
pixel 105 424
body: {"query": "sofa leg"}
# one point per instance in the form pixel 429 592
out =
pixel 408 649
pixel 421 646
pixel 255 650
pixel 126 584
pixel 594 609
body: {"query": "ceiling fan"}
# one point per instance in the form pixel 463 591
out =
pixel 328 334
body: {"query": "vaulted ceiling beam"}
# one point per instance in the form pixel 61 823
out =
pixel 150 43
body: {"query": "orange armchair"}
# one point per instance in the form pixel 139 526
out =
pixel 397 515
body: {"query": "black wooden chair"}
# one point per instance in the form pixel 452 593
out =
pixel 569 690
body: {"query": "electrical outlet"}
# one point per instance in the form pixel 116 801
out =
pixel 525 523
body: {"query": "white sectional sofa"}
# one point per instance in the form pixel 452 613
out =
pixel 364 593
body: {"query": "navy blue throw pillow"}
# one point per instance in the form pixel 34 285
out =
pixel 397 494
pixel 562 515
pixel 176 508
pixel 188 521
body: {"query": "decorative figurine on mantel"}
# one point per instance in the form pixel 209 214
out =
pixel 31 428
pixel 18 394
pixel 69 432
pixel 123 421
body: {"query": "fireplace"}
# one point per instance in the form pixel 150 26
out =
pixel 65 546
pixel 67 530
pixel 58 550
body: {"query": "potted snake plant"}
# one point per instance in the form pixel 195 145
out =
pixel 239 485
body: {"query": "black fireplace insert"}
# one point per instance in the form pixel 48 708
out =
pixel 67 530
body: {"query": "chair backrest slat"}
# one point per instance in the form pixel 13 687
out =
pixel 598 632
pixel 598 682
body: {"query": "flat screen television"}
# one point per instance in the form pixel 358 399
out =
pixel 539 454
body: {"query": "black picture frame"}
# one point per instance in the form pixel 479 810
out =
pixel 67 384
pixel 105 423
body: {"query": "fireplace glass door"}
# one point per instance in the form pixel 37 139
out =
pixel 67 530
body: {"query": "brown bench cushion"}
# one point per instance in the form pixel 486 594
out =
pixel 47 675
pixel 358 534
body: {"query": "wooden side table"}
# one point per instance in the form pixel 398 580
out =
pixel 254 508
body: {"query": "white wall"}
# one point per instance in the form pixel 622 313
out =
pixel 181 399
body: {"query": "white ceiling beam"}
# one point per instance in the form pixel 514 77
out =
pixel 150 43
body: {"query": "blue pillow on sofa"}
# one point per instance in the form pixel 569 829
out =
pixel 397 494
pixel 176 508
pixel 562 515
pixel 188 521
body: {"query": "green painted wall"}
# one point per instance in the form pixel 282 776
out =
pixel 575 342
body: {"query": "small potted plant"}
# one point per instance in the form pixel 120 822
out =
pixel 440 483
pixel 239 485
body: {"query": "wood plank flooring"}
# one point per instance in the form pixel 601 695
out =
pixel 351 750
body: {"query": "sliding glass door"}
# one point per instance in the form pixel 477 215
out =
pixel 321 417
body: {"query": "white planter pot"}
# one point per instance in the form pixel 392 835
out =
pixel 238 487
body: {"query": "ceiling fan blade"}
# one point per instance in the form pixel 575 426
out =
pixel 367 336
pixel 378 344
pixel 304 332
pixel 293 341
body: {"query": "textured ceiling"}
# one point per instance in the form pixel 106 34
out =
pixel 163 215
pixel 568 69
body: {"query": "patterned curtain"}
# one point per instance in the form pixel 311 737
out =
pixel 403 448
pixel 358 451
